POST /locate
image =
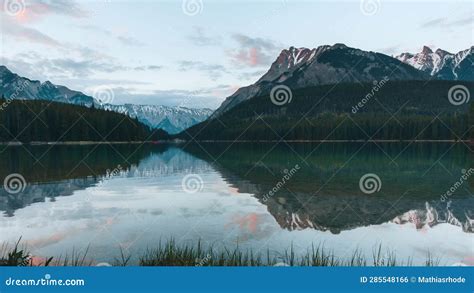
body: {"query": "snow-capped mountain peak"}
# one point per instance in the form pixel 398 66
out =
pixel 442 64
pixel 326 64
pixel 426 50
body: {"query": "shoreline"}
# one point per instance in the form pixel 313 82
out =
pixel 38 143
pixel 339 141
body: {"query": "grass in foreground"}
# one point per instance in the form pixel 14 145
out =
pixel 172 254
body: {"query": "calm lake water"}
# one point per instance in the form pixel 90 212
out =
pixel 259 196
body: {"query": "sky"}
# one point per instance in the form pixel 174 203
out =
pixel 195 53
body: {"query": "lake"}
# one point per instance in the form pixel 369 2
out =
pixel 409 198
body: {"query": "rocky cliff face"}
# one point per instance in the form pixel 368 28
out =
pixel 303 67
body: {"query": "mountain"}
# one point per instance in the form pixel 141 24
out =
pixel 14 86
pixel 442 64
pixel 171 119
pixel 387 110
pixel 303 67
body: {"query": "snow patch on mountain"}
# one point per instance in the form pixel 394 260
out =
pixel 171 119
pixel 442 64
pixel 304 67
pixel 16 87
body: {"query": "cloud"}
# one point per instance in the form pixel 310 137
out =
pixel 248 42
pixel 251 75
pixel 34 10
pixel 57 68
pixel 91 62
pixel 464 21
pixel 447 22
pixel 149 67
pixel 130 41
pixel 85 82
pixel 62 7
pixel 24 33
pixel 214 71
pixel 253 52
pixel 209 97
pixel 122 37
pixel 16 13
pixel 393 50
pixel 200 38
pixel 201 98
pixel 77 68
pixel 434 22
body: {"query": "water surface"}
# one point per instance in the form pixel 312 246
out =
pixel 131 197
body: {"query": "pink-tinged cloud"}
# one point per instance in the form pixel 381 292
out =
pixel 253 52
pixel 34 10
pixel 252 57
pixel 20 32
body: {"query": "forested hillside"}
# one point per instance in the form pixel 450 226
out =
pixel 396 110
pixel 28 121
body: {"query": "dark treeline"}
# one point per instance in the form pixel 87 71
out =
pixel 397 110
pixel 471 120
pixel 28 121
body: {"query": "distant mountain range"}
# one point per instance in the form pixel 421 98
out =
pixel 442 64
pixel 302 67
pixel 170 119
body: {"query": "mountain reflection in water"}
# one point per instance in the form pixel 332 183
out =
pixel 322 194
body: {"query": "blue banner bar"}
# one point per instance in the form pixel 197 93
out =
pixel 237 279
